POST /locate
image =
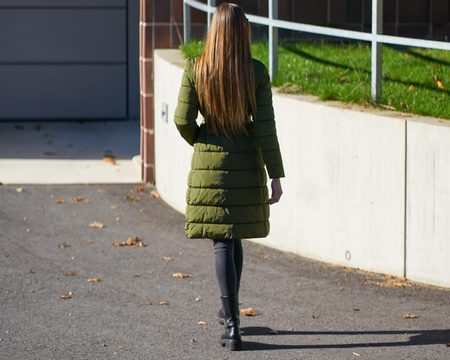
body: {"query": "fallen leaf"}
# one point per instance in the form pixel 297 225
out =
pixel 250 312
pixel 19 189
pixel 356 354
pixel 80 199
pixel 110 159
pixel 139 189
pixel 114 206
pixel 145 302
pixel 69 273
pixel 96 225
pixel 448 344
pixel 59 201
pixel 164 302
pixel 410 87
pixel 201 322
pixel 94 280
pixel 181 275
pixel 167 258
pixel 154 194
pixel 131 197
pixel 66 296
pixel 131 241
pixel 410 316
pixel 439 83
pixel 63 245
pixel 393 281
pixel 88 241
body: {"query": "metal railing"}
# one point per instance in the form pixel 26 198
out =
pixel 376 37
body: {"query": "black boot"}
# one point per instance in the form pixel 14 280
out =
pixel 231 339
pixel 222 315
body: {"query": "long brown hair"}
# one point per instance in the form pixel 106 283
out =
pixel 224 75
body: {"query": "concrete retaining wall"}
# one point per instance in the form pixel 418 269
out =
pixel 355 181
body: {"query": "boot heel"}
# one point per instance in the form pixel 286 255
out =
pixel 231 345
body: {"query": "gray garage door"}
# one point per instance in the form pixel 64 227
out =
pixel 63 59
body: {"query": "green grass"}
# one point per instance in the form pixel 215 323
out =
pixel 342 72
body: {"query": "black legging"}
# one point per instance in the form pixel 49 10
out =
pixel 229 259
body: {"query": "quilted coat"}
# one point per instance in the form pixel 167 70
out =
pixel 227 194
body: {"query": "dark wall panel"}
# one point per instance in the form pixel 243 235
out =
pixel 62 3
pixel 58 35
pixel 62 91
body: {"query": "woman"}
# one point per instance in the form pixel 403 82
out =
pixel 227 196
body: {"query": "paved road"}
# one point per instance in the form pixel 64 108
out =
pixel 308 310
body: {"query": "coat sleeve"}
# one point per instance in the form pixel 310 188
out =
pixel 187 107
pixel 265 129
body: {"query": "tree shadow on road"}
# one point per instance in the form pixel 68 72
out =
pixel 418 337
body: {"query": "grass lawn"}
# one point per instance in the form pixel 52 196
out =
pixel 414 80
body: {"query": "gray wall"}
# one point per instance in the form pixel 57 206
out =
pixel 69 59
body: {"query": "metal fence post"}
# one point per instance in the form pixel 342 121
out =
pixel 186 22
pixel 211 3
pixel 377 29
pixel 273 39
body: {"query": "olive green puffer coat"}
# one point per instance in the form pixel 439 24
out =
pixel 227 194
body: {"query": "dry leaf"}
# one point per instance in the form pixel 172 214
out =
pixel 19 190
pixel 110 159
pixel 154 194
pixel 356 354
pixel 167 258
pixel 69 273
pixel 181 275
pixel 393 281
pixel 250 312
pixel 66 296
pixel 410 316
pixel 96 225
pixel 439 83
pixel 80 199
pixel 163 303
pixel 94 280
pixel 131 241
pixel 410 87
pixel 130 197
pixel 145 302
pixel 201 322
pixel 139 189
pixel 59 201
pixel 88 241
pixel 63 245
pixel 114 206
pixel 448 344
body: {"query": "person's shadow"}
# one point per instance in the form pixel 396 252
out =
pixel 418 337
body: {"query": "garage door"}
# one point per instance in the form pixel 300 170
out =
pixel 63 59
